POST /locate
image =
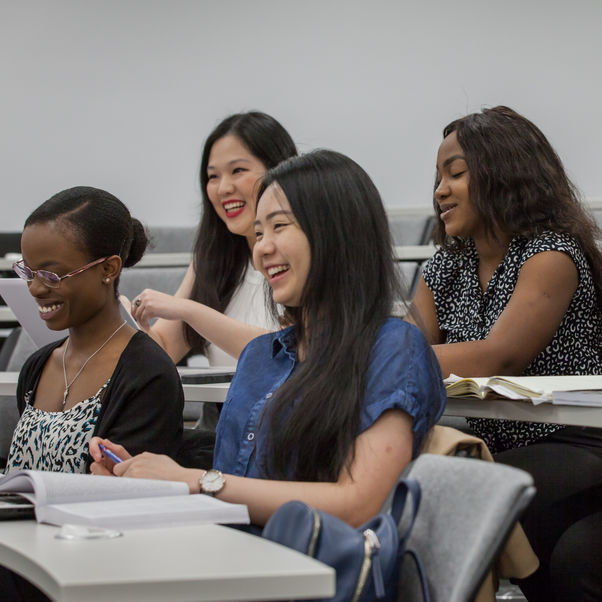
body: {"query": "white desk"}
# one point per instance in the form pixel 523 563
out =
pixel 161 260
pixel 402 253
pixel 414 252
pixel 156 260
pixel 500 408
pixel 521 410
pixel 212 392
pixel 6 314
pixel 8 383
pixel 512 410
pixel 203 562
pixel 150 260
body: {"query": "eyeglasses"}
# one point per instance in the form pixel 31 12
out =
pixel 49 279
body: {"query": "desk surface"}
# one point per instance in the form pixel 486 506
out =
pixel 456 406
pixel 403 253
pixel 192 392
pixel 523 410
pixel 414 252
pixel 215 391
pixel 6 314
pixel 500 408
pixel 202 562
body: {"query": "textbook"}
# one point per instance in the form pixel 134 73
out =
pixel 558 390
pixel 117 502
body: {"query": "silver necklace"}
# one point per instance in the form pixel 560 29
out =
pixel 67 385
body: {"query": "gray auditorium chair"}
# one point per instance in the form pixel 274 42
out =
pixel 409 272
pixel 171 239
pixel 16 349
pixel 461 527
pixel 165 279
pixel 410 230
pixel 9 416
pixel 597 214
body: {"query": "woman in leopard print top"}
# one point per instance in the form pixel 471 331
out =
pixel 516 289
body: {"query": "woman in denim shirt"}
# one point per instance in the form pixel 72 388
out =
pixel 330 409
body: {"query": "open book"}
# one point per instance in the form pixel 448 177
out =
pixel 559 390
pixel 117 503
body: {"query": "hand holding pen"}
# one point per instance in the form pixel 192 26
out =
pixel 109 454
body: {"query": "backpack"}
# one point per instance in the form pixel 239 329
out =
pixel 367 560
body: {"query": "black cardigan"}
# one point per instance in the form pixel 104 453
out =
pixel 142 406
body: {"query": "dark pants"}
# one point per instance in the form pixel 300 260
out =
pixel 564 521
pixel 14 588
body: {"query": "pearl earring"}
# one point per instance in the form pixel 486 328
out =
pixel 107 280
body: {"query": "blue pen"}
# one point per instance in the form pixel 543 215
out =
pixel 109 454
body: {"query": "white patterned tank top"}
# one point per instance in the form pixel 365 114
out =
pixel 54 441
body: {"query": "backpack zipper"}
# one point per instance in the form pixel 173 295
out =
pixel 371 560
pixel 311 548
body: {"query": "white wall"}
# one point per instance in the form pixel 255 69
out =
pixel 120 94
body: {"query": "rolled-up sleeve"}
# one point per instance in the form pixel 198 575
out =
pixel 404 374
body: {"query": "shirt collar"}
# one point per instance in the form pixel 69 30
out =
pixel 285 339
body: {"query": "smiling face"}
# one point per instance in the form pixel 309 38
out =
pixel 452 191
pixel 282 251
pixel 232 173
pixel 49 246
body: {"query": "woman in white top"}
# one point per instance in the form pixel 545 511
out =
pixel 220 304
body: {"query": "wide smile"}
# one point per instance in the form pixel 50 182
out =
pixel 49 310
pixel 446 210
pixel 276 272
pixel 234 207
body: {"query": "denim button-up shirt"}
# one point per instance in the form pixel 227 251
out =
pixel 403 373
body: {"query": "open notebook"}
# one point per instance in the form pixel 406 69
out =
pixel 559 390
pixel 116 503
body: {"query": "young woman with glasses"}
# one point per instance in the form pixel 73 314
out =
pixel 105 377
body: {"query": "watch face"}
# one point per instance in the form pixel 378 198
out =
pixel 213 481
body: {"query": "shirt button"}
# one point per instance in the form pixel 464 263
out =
pixel 250 436
pixel 268 395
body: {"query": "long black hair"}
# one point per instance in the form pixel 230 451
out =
pixel 518 185
pixel 350 290
pixel 220 258
pixel 99 221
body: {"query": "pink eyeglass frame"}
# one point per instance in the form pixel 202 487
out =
pixel 20 265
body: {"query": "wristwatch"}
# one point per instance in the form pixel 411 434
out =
pixel 212 482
